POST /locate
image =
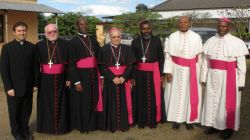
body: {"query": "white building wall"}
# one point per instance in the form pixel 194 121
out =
pixel 214 13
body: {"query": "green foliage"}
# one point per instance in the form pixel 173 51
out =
pixel 170 25
pixel 241 18
pixel 129 23
pixel 92 21
pixel 41 23
pixel 67 23
pixel 241 29
pixel 243 35
pixel 198 17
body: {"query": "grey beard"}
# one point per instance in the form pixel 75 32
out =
pixel 146 37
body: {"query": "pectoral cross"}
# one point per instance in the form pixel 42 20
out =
pixel 117 65
pixel 143 59
pixel 50 63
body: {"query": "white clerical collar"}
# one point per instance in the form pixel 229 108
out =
pixel 184 33
pixel 222 37
pixel 52 42
pixel 116 46
pixel 84 35
pixel 20 42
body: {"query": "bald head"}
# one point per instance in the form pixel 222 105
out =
pixel 50 26
pixel 51 32
pixel 114 30
pixel 184 23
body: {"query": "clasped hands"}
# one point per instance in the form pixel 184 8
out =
pixel 118 80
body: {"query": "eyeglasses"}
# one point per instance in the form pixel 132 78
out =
pixel 50 32
pixel 113 37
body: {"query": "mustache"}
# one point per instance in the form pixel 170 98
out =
pixel 146 35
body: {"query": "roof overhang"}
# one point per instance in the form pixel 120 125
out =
pixel 178 5
pixel 39 8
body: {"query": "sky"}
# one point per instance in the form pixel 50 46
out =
pixel 99 7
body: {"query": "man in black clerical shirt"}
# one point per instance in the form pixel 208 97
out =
pixel 19 71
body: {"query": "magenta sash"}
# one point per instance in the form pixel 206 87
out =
pixel 230 68
pixel 154 67
pixel 55 68
pixel 90 62
pixel 120 71
pixel 194 98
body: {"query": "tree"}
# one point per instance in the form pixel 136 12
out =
pixel 129 22
pixel 141 8
pixel 67 23
pixel 92 21
pixel 41 23
pixel 198 17
pixel 168 26
pixel 241 18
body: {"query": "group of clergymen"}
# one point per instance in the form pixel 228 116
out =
pixel 86 87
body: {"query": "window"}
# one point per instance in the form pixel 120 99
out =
pixel 1 29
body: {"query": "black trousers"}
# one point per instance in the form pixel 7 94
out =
pixel 20 109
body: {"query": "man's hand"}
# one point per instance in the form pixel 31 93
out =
pixel 68 83
pixel 203 84
pixel 241 88
pixel 116 81
pixel 79 87
pixel 122 80
pixel 132 82
pixel 162 78
pixel 169 77
pixel 35 89
pixel 11 92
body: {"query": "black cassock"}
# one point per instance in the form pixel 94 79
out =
pixel 115 114
pixel 19 71
pixel 52 98
pixel 144 99
pixel 83 104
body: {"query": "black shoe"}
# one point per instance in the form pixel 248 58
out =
pixel 26 136
pixel 18 137
pixel 189 126
pixel 175 125
pixel 211 130
pixel 226 134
